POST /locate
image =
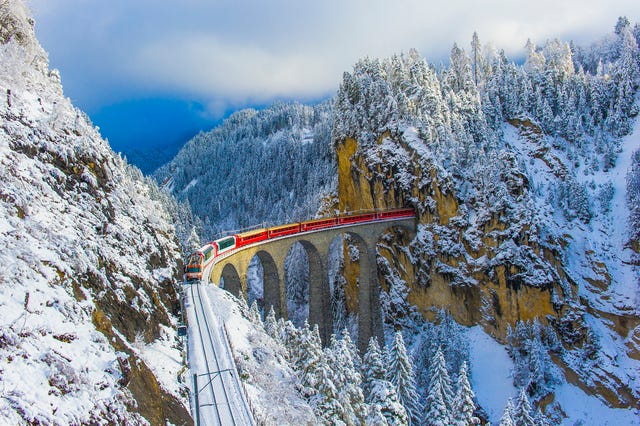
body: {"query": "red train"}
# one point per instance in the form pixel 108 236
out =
pixel 201 258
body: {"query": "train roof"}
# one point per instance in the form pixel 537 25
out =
pixel 320 219
pixel 288 225
pixel 252 232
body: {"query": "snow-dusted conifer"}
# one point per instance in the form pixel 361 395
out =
pixel 254 314
pixel 522 411
pixel 351 347
pixel 463 406
pixel 400 374
pixel 437 412
pixel 244 306
pixel 383 395
pixel 373 366
pixel 291 339
pixel 540 419
pixel 438 407
pixel 271 324
pixel 378 391
pixel 507 415
pixel 375 417
pixel 309 359
pixel 325 401
pixel 348 380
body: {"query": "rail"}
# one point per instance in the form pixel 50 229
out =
pixel 253 412
pixel 202 323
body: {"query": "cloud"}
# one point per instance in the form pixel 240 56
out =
pixel 228 52
pixel 204 65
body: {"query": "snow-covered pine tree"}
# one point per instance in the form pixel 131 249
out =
pixel 463 404
pixel 310 357
pixel 383 395
pixel 540 419
pixel 373 367
pixel 351 347
pixel 400 374
pixel 633 197
pixel 291 338
pixel 325 402
pixel 375 417
pixel 522 411
pixel 543 375
pixel 378 391
pixel 254 314
pixel 271 324
pixel 348 380
pixel 438 405
pixel 507 415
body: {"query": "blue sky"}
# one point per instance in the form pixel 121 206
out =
pixel 151 73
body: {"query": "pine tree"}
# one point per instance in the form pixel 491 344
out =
pixel 476 57
pixel 309 359
pixel 522 411
pixel 383 395
pixel 507 416
pixel 540 419
pixel 351 347
pixel 271 324
pixel 375 417
pixel 254 314
pixel 373 367
pixel 325 401
pixel 438 406
pixel 402 377
pixel 463 406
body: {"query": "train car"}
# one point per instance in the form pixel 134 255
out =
pixel 250 237
pixel 311 225
pixel 225 244
pixel 357 218
pixel 282 230
pixel 198 261
pixel 392 214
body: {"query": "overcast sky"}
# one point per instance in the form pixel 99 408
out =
pixel 153 71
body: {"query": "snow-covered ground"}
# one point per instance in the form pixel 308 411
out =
pixel 583 409
pixel 490 373
pixel 491 381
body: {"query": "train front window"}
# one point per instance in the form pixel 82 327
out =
pixel 194 259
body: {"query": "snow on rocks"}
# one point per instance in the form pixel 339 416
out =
pixel 88 260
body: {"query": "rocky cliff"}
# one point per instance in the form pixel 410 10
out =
pixel 90 261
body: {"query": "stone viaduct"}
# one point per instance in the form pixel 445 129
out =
pixel 272 254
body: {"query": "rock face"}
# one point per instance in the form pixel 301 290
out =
pixel 90 261
pixel 498 301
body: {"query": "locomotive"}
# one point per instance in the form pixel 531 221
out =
pixel 199 260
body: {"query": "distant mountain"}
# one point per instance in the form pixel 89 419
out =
pixel 89 261
pixel 149 159
pixel 270 166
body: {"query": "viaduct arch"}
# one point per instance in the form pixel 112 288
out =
pixel 233 268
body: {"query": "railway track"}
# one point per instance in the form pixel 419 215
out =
pixel 216 396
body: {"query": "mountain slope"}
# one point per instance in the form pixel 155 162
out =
pixel 270 166
pixel 518 175
pixel 89 261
